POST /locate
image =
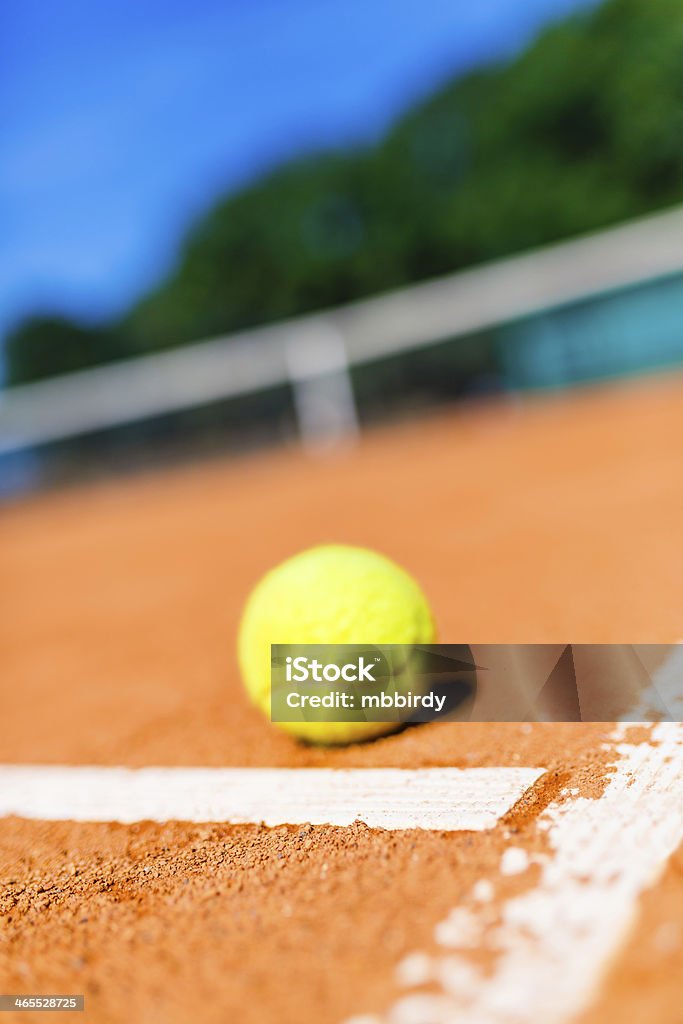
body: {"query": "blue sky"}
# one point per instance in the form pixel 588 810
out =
pixel 122 119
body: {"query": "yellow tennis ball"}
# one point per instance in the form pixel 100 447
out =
pixel 331 594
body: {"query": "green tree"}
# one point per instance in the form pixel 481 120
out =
pixel 578 132
pixel 48 345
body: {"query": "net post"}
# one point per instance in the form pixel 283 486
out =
pixel 319 372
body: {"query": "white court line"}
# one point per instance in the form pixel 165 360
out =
pixel 556 940
pixel 451 799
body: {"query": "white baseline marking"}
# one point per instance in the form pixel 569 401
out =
pixel 555 941
pixel 451 799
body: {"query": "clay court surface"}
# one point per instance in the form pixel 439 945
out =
pixel 548 520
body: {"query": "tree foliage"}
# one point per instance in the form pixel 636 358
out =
pixel 47 345
pixel 581 130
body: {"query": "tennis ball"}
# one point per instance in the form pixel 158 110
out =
pixel 331 594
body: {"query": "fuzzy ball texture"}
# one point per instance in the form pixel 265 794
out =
pixel 332 594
